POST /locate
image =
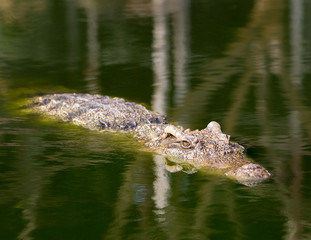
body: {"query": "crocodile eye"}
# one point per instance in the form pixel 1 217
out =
pixel 186 144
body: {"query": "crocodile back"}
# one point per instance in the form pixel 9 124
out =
pixel 96 112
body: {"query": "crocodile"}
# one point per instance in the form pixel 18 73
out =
pixel 208 148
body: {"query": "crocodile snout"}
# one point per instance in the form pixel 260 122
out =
pixel 250 171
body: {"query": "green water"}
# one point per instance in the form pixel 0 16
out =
pixel 243 63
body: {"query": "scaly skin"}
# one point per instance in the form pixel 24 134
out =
pixel 208 147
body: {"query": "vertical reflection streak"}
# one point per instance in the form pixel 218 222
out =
pixel 160 57
pixel 93 49
pixel 294 225
pixel 181 52
pixel 296 40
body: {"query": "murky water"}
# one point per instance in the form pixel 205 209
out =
pixel 245 64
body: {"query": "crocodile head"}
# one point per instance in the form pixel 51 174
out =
pixel 210 147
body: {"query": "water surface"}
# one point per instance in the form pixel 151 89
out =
pixel 245 64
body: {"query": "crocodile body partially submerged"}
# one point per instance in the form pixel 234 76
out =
pixel 206 148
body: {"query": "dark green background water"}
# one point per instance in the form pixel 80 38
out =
pixel 243 63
